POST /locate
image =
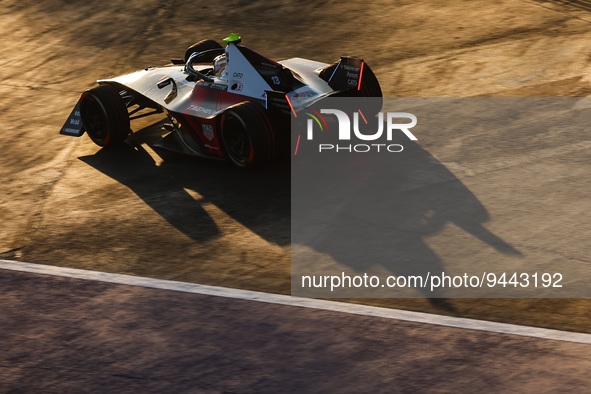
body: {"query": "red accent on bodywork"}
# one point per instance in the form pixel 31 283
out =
pixel 193 127
pixel 360 76
pixel 214 100
pixel 297 145
pixel 291 106
pixel 361 113
pixel 227 99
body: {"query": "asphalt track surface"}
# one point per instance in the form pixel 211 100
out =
pixel 68 335
pixel 143 212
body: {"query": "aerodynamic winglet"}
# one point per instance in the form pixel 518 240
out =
pixel 73 126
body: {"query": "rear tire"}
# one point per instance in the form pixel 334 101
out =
pixel 201 46
pixel 247 135
pixel 104 116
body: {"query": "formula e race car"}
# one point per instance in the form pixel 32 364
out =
pixel 227 102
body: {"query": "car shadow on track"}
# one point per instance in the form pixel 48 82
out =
pixel 178 188
pixel 410 199
pixel 376 213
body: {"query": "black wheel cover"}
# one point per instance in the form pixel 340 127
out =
pixel 104 115
pixel 237 141
pixel 247 135
pixel 94 118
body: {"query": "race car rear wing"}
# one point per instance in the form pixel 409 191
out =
pixel 345 74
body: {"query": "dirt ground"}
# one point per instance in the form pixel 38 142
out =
pixel 65 202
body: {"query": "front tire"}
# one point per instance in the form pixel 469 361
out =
pixel 104 116
pixel 247 135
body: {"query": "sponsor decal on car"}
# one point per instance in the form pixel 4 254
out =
pixel 197 108
pixel 73 125
pixel 212 85
pixel 304 94
pixel 237 86
pixel 207 131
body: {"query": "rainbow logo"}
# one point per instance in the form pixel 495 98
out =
pixel 320 121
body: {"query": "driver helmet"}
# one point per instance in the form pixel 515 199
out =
pixel 219 66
